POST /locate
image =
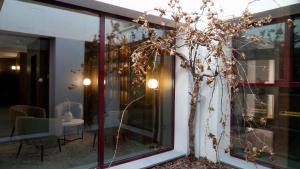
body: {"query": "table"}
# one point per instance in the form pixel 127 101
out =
pixel 73 123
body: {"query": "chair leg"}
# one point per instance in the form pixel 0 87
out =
pixel 42 153
pixel 82 132
pixel 12 132
pixel 64 130
pixel 59 145
pixel 64 139
pixel 19 150
pixel 94 139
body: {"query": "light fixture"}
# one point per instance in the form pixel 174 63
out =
pixel 18 67
pixel 152 83
pixel 13 67
pixel 86 81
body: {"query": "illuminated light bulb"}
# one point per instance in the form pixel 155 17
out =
pixel 86 81
pixel 18 67
pixel 152 83
pixel 13 67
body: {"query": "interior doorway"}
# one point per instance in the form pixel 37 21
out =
pixel 24 74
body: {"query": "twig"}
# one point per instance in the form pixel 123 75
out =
pixel 119 128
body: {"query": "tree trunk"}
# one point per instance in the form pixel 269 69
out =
pixel 194 99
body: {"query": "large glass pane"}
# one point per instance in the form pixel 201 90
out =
pixel 264 58
pixel 49 87
pixel 274 115
pixel 147 123
pixel 296 58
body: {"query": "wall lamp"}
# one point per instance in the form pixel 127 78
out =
pixel 86 81
pixel 152 83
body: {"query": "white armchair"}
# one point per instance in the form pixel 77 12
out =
pixel 74 107
pixel 71 115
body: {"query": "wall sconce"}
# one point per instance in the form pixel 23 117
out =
pixel 152 83
pixel 86 81
pixel 13 67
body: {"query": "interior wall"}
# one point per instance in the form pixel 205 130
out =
pixel 68 57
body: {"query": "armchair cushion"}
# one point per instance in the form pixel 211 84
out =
pixel 31 127
pixel 25 110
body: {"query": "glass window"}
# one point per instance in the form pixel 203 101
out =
pixel 147 122
pixel 263 63
pixel 49 87
pixel 296 58
pixel 266 113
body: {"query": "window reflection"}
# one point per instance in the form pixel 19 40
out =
pixel 264 59
pixel 48 117
pixel 266 113
pixel 296 61
pixel 147 123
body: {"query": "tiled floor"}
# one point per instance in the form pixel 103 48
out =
pixel 74 154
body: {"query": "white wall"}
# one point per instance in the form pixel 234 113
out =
pixel 68 55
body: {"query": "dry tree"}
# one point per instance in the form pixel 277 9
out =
pixel 205 35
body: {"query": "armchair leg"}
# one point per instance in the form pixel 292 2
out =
pixel 59 145
pixel 19 150
pixel 42 153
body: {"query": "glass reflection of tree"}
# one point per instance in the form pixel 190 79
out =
pixel 119 47
pixel 90 68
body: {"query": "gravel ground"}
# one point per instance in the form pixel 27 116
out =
pixel 191 163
